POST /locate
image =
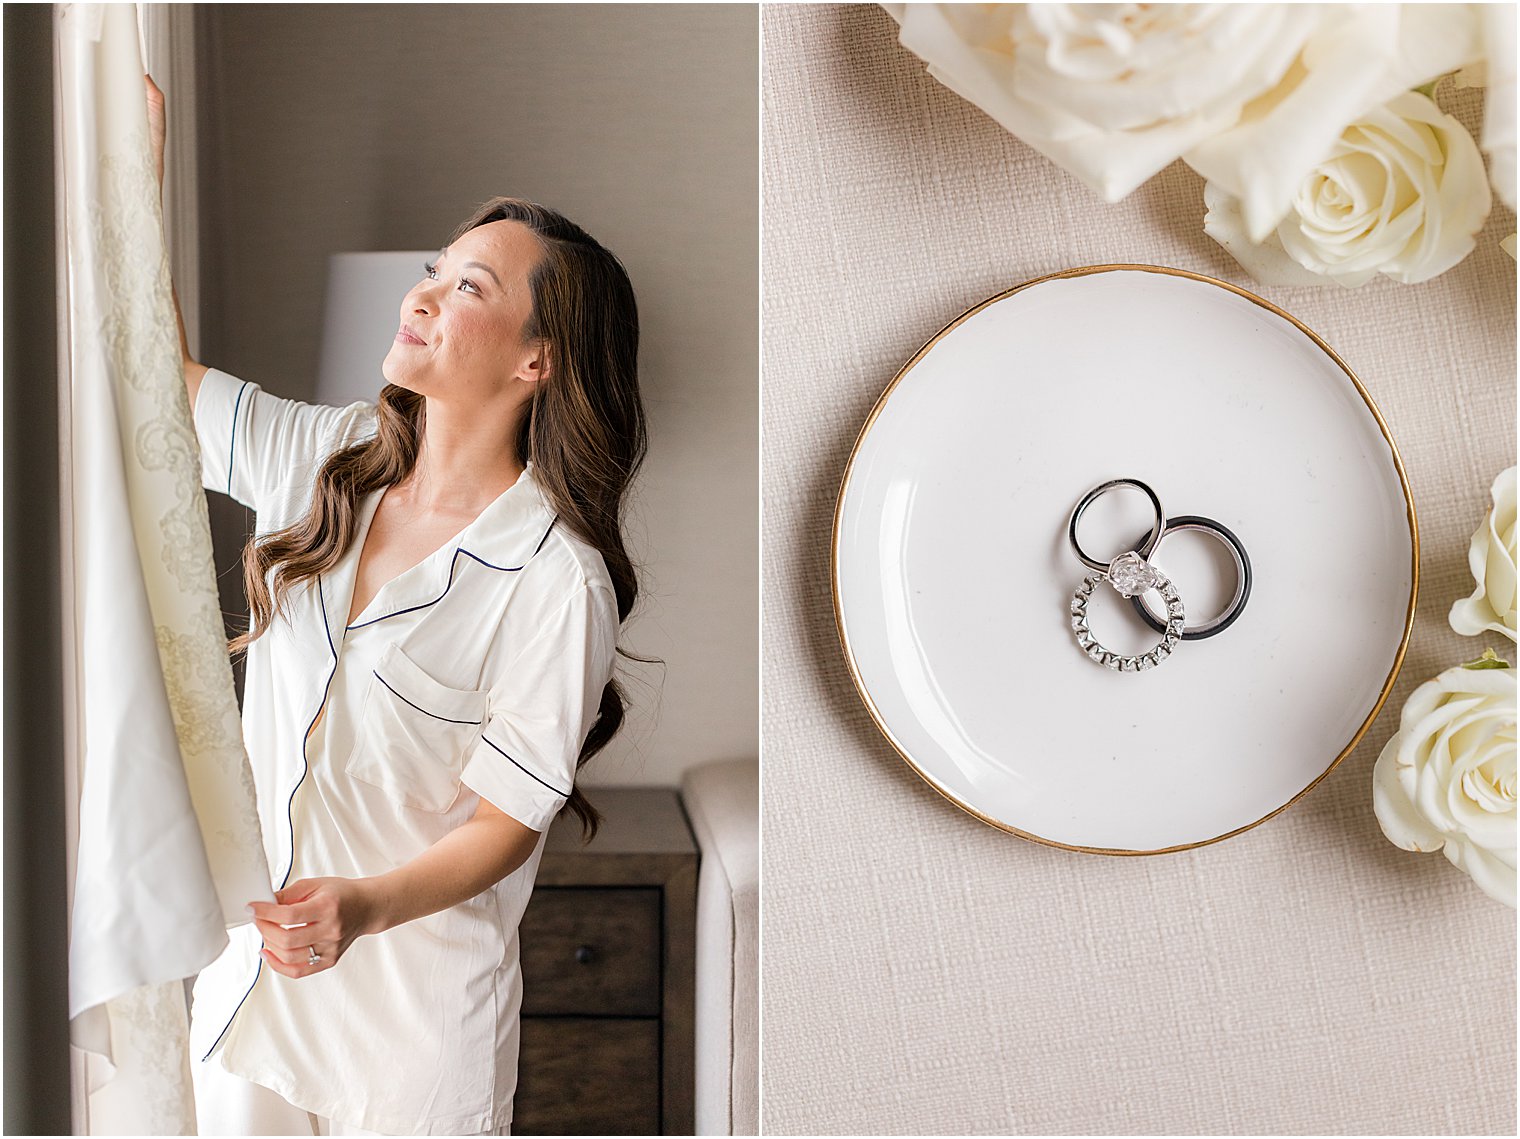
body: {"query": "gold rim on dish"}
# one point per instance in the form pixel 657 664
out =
pixel 1082 271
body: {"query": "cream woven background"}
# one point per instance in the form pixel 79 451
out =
pixel 924 973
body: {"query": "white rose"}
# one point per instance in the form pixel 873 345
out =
pixel 1491 557
pixel 1402 192
pixel 1446 780
pixel 1359 56
pixel 1111 92
pixel 1496 71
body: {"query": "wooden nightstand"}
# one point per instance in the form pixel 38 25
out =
pixel 608 961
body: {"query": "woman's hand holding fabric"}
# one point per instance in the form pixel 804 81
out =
pixel 331 913
pixel 328 913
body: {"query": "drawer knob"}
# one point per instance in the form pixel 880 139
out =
pixel 585 954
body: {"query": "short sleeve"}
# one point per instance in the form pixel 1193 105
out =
pixel 541 708
pixel 256 447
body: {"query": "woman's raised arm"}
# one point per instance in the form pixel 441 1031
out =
pixel 157 134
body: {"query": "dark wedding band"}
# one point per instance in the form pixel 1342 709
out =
pixel 1151 540
pixel 1242 575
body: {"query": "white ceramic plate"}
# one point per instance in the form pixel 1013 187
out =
pixel 953 574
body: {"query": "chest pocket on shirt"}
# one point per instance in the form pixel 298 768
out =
pixel 413 733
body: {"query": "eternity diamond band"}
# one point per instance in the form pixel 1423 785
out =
pixel 1130 574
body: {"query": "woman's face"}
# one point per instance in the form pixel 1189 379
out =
pixel 469 313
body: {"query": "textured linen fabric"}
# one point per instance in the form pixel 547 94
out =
pixel 925 973
pixel 476 672
pixel 163 835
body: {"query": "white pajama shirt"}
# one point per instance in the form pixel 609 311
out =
pixel 478 672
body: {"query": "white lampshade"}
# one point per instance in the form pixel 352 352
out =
pixel 363 311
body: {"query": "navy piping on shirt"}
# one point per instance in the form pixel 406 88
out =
pixel 454 561
pixel 305 764
pixel 231 447
pixel 419 707
pixel 529 774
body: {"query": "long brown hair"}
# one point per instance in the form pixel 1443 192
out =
pixel 584 430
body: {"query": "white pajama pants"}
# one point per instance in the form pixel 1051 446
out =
pixel 230 1105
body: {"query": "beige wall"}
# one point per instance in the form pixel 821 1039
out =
pixel 358 127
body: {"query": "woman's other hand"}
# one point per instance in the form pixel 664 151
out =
pixel 158 129
pixel 329 913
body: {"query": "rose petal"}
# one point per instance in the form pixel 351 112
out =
pixel 1358 58
pixel 1456 210
pixel 1424 174
pixel 1267 263
pixel 1493 875
pixel 1111 135
pixel 1396 815
pixel 1491 560
pixel 1447 777
pixel 1498 136
pixel 1468 750
pixel 1186 61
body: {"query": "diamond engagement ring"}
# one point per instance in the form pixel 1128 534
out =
pixel 1131 574
pixel 312 956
